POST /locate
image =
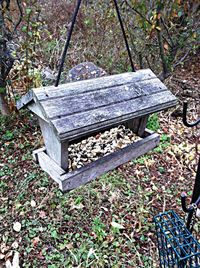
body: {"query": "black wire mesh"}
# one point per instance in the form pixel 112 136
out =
pixel 176 245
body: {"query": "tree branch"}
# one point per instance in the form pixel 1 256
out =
pixel 147 20
pixel 20 17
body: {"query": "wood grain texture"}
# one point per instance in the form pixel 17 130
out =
pixel 88 122
pixel 33 107
pixel 79 87
pixel 49 166
pixel 89 101
pixel 138 125
pixel 77 109
pixel 91 171
pixel 26 99
pixel 90 85
pixel 56 149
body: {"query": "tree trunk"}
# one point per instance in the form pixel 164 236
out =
pixel 6 62
pixel 4 108
pixel 160 42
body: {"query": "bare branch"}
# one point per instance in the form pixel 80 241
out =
pixel 182 59
pixel 147 20
pixel 20 16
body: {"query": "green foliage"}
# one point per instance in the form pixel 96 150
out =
pixel 164 143
pixel 2 90
pixel 99 229
pixel 153 122
pixel 8 136
pixel 31 30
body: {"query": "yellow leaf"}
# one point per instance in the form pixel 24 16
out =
pixel 159 16
pixel 166 46
pixel 158 28
pixel 117 225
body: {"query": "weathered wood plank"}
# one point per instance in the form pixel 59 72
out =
pixel 49 166
pixel 104 97
pixel 138 125
pixel 27 98
pixel 55 148
pixel 142 125
pixel 33 107
pixel 84 86
pixel 87 122
pixel 36 152
pixel 91 171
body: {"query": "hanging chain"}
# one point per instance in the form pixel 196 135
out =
pixel 71 31
pixel 68 41
pixel 124 35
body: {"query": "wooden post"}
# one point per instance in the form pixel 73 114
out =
pixel 138 125
pixel 56 149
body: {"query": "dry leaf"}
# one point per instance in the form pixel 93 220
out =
pixel 8 255
pixel 117 225
pixel 198 213
pixel 33 203
pixel 8 264
pixel 4 248
pixel 35 241
pixel 2 256
pixel 69 246
pixel 15 245
pixel 17 226
pixel 166 46
pixel 42 214
pixel 79 206
pixel 15 262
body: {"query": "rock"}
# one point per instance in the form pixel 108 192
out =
pixel 48 76
pixel 85 70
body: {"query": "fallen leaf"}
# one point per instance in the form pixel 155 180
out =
pixel 35 241
pixel 166 46
pixel 69 246
pixel 79 206
pixel 17 226
pixel 4 248
pixel 2 256
pixel 15 262
pixel 42 214
pixel 15 245
pixel 9 255
pixel 117 225
pixel 8 264
pixel 33 203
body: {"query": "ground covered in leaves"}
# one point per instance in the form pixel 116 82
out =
pixel 107 223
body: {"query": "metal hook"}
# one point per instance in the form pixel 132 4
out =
pixel 185 122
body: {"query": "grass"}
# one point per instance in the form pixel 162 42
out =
pixel 107 223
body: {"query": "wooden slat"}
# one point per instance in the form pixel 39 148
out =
pixel 84 86
pixel 91 171
pixel 99 98
pixel 138 125
pixel 57 150
pixel 71 180
pixel 87 122
pixel 26 99
pixel 48 165
pixel 36 109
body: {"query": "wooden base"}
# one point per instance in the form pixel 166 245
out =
pixel 71 180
